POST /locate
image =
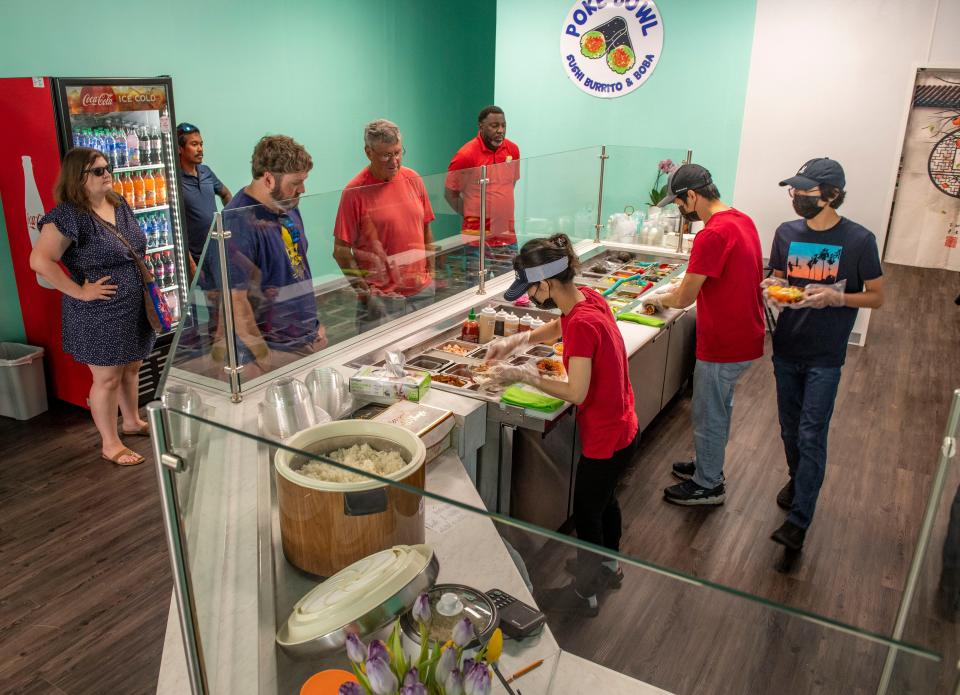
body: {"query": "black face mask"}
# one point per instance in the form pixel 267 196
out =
pixel 547 303
pixel 806 206
pixel 689 215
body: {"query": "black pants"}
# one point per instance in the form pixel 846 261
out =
pixel 596 512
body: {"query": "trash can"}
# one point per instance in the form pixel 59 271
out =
pixel 23 390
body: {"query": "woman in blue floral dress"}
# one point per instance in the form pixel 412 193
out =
pixel 105 324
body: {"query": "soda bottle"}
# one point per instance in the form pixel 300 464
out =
pixel 128 193
pixel 156 147
pixel 170 270
pixel 165 228
pixel 78 138
pixel 33 207
pixel 147 228
pixel 117 185
pixel 133 148
pixel 144 146
pixel 149 190
pixel 147 261
pixel 138 191
pixel 160 183
pixel 120 148
pixel 159 271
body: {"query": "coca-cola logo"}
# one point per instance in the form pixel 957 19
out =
pixel 102 99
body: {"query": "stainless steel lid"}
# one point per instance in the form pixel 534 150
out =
pixel 359 599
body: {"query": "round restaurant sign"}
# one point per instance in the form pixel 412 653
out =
pixel 610 47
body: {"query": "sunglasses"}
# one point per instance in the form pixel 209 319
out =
pixel 99 171
pixel 187 128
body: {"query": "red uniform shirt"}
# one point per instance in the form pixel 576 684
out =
pixel 463 176
pixel 606 417
pixel 384 224
pixel 730 304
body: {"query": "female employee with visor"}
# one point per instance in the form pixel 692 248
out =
pixel 598 384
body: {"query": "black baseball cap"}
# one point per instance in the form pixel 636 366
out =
pixel 815 172
pixel 688 177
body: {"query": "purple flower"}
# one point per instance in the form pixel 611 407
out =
pixel 350 688
pixel 446 664
pixel 463 633
pixel 412 677
pixel 381 677
pixel 421 609
pixel 477 679
pixel 415 689
pixel 666 166
pixel 453 683
pixel 356 652
pixel 378 650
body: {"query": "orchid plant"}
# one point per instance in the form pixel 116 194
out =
pixel 657 193
pixel 384 669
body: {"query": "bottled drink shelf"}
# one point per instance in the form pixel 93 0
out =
pixel 156 208
pixel 143 167
pixel 158 249
pixel 170 288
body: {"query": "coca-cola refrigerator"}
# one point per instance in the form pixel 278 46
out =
pixel 131 120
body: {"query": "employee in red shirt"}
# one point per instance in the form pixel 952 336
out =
pixel 382 232
pixel 598 383
pixel 723 276
pixel 462 190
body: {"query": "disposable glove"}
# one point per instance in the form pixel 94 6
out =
pixel 498 349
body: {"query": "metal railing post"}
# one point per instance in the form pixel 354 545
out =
pixel 232 369
pixel 599 225
pixel 684 225
pixel 167 465
pixel 948 450
pixel 481 285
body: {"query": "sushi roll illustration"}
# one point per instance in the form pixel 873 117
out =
pixel 613 39
pixel 621 59
pixel 593 44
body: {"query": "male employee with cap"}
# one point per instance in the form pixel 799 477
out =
pixel 810 343
pixel 723 277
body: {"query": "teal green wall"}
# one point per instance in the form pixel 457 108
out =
pixel 694 98
pixel 317 71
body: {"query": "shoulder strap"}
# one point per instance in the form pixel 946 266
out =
pixel 145 275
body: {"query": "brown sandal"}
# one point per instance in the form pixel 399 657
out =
pixel 142 432
pixel 138 459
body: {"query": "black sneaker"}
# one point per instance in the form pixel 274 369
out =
pixel 789 535
pixel 689 493
pixel 785 496
pixel 567 600
pixel 684 470
pixel 610 579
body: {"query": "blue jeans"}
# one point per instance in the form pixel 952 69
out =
pixel 805 397
pixel 713 384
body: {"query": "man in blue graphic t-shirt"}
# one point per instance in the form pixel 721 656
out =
pixel 818 253
pixel 275 310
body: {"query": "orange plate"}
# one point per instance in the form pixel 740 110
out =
pixel 327 682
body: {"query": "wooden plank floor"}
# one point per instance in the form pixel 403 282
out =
pixel 85 583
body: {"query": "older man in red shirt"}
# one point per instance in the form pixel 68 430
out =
pixel 382 231
pixel 462 190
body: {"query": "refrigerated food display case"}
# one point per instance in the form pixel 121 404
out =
pixel 131 120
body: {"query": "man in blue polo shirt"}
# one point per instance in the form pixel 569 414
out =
pixel 198 185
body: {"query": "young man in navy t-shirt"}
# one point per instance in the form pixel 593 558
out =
pixel 810 343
